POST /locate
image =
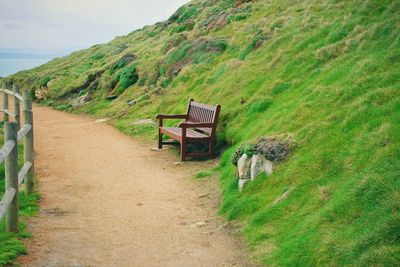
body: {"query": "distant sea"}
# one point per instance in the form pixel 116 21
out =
pixel 15 60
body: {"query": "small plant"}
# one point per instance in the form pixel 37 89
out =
pixel 203 174
pixel 247 148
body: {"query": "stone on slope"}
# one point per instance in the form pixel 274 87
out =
pixel 258 165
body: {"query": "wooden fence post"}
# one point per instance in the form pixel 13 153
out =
pixel 5 102
pixel 11 171
pixel 17 107
pixel 28 144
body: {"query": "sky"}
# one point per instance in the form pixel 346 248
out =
pixel 45 25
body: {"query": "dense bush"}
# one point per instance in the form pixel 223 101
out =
pixel 128 76
pixel 125 60
pixel 43 82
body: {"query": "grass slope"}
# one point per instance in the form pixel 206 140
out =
pixel 326 73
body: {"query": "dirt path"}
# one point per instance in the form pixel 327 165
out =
pixel 108 200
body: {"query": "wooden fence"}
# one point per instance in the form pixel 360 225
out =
pixel 13 133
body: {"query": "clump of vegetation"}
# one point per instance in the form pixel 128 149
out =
pixel 204 174
pixel 184 14
pixel 175 41
pixel 44 81
pixel 128 76
pixel 247 148
pixel 239 14
pixel 280 87
pixel 259 107
pixel 198 51
pixel 187 26
pixel 125 60
pixel 97 56
pixel 125 78
pixel 255 43
pixel 273 149
pixel 215 21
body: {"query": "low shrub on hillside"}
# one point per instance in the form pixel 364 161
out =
pixel 124 78
pixel 183 14
pixel 97 56
pixel 125 60
pixel 128 76
pixel 44 81
pixel 187 26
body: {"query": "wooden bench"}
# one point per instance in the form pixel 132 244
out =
pixel 199 125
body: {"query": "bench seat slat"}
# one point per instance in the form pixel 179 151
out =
pixel 176 132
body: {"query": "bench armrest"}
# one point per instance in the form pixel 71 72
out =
pixel 171 116
pixel 196 125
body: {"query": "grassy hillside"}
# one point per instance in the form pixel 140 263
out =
pixel 325 73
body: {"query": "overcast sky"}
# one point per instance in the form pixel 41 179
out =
pixel 76 23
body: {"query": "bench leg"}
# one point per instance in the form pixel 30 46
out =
pixel 160 135
pixel 211 147
pixel 183 151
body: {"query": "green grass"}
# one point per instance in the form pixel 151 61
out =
pixel 11 245
pixel 207 173
pixel 326 73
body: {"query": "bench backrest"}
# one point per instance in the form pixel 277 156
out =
pixel 199 112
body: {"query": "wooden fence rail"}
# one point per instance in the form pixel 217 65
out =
pixel 13 132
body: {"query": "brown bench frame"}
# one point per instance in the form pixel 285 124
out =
pixel 202 118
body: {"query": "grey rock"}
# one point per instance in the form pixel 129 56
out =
pixel 241 183
pixel 244 167
pixel 258 165
pixel 79 101
pixel 132 102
